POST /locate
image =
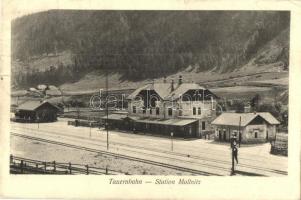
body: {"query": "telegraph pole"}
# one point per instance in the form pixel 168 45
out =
pixel 107 109
pixel 99 109
pixel 232 155
pixel 239 133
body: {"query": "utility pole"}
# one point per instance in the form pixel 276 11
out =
pixel 232 169
pixel 239 133
pixel 99 124
pixel 232 156
pixel 107 109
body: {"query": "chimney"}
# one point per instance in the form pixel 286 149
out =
pixel 180 80
pixel 172 86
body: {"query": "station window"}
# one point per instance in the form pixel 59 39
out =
pixel 134 109
pixel 256 134
pixel 203 125
pixel 169 111
pixel 235 133
pixel 199 111
pixel 194 111
pixel 157 111
pixel 143 110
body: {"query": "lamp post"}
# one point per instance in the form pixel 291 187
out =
pixel 171 137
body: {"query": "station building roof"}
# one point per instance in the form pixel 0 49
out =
pixel 165 92
pixel 34 105
pixel 232 119
pixel 147 120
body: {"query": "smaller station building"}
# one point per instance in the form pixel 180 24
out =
pixel 36 111
pixel 248 127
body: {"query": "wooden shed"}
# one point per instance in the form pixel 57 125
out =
pixel 37 111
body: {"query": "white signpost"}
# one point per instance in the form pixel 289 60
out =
pixel 171 136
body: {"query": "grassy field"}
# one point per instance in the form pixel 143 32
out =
pixel 238 85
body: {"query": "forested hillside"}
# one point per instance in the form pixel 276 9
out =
pixel 143 44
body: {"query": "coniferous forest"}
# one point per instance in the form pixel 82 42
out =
pixel 141 44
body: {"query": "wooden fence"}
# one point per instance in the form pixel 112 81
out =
pixel 280 145
pixel 85 123
pixel 20 165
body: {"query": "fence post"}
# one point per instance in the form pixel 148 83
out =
pixel 11 158
pixel 22 166
pixel 70 171
pixel 37 165
pixel 54 166
pixel 45 166
pixel 107 170
pixel 87 167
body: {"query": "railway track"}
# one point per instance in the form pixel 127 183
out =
pixel 192 157
pixel 156 163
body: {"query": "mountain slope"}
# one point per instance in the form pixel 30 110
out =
pixel 139 45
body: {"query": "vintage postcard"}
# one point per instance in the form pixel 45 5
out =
pixel 168 100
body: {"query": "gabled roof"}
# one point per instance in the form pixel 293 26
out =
pixel 33 105
pixel 185 87
pixel 164 90
pixel 269 117
pixel 137 91
pixel 232 119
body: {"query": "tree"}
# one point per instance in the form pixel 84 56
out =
pixel 255 101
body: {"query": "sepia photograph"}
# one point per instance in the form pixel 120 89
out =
pixel 150 92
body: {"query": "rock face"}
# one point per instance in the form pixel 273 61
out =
pixel 60 46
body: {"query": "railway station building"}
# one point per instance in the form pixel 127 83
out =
pixel 181 109
pixel 248 127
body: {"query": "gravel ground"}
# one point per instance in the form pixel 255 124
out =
pixel 49 152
